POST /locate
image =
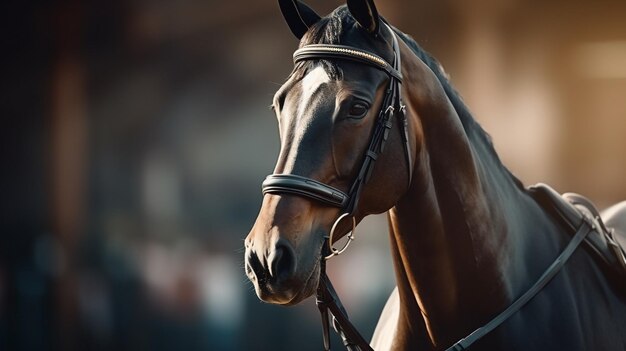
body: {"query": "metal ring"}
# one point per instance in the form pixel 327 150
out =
pixel 335 252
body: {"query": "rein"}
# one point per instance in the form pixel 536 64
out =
pixel 586 227
pixel 327 301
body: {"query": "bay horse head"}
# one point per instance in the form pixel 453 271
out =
pixel 329 113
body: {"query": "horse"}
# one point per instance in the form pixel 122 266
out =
pixel 468 239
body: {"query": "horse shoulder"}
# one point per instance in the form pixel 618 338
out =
pixel 387 323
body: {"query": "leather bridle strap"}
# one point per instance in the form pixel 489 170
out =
pixel 344 52
pixel 327 300
pixel 303 186
pixel 585 228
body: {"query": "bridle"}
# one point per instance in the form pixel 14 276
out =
pixel 327 301
pixel 392 106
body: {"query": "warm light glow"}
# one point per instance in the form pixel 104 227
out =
pixel 601 60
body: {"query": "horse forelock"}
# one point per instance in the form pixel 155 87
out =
pixel 326 31
pixel 338 28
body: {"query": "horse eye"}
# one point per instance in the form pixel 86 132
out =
pixel 358 110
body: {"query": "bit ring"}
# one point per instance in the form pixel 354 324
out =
pixel 334 251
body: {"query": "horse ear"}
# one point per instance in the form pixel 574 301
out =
pixel 299 16
pixel 365 13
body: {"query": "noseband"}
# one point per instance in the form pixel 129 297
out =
pixel 391 106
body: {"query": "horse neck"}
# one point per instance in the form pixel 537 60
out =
pixel 459 234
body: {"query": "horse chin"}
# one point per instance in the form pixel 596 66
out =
pixel 291 296
pixel 309 287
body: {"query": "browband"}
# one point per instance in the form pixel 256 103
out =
pixel 330 51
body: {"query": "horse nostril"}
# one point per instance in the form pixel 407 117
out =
pixel 254 268
pixel 282 261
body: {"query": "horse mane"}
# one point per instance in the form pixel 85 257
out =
pixel 329 30
pixel 470 125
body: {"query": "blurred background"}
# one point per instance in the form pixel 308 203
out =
pixel 136 135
